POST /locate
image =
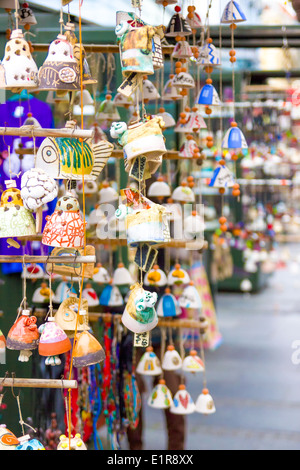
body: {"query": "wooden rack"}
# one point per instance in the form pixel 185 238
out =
pixel 31 131
pixel 37 383
pixel 47 259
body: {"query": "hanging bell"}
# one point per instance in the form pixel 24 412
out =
pixel 111 296
pixel 122 101
pixel 193 363
pixel 171 359
pixel 178 26
pixel 107 111
pixel 183 80
pixel 60 70
pixel 101 275
pixel 183 403
pixel 222 178
pixel 8 441
pixel 42 294
pixel 26 443
pixel 83 104
pixel 167 118
pixel 194 20
pixel 209 56
pixel 90 295
pixel 208 96
pixel 155 277
pixel 33 271
pixel 205 404
pixel 149 363
pixel 87 350
pixel 65 227
pixel 182 50
pixel 122 276
pixel 107 193
pixel 140 315
pixel 159 189
pixel 18 70
pixel 168 305
pixel 161 397
pixel 63 291
pixel 188 148
pixel 23 336
pixel 232 13
pixel 53 342
pixel 171 92
pixel 193 225
pixel 26 16
pixel 234 138
pixel 190 297
pixel 150 92
pixel 73 443
pixel 178 276
pixel 15 219
pixel 70 318
pixel 183 193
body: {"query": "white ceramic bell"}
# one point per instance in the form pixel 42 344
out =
pixel 182 50
pixel 168 305
pixel 232 13
pixel 161 397
pixel 149 363
pixel 101 275
pixel 155 277
pixel 178 276
pixel 107 194
pixel 183 403
pixel 122 101
pixel 183 80
pixel 193 225
pixel 170 92
pixel 122 276
pixel 190 297
pixel 183 193
pixel 167 118
pixel 205 404
pixel 171 359
pixel 42 294
pixel 150 92
pixel 33 271
pixel 159 188
pixel 90 295
pixel 193 363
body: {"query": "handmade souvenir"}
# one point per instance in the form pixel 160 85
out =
pixel 190 297
pixel 122 276
pixel 64 158
pixel 42 294
pixel 73 443
pixel 171 359
pixel 149 363
pixel 26 15
pixel 193 225
pixel 192 121
pixel 26 443
pixel 142 139
pixel 171 92
pixel 101 275
pixel 208 96
pixel 139 315
pixel 23 335
pixel 182 50
pixel 183 80
pixel 183 194
pixel 71 316
pixel 145 257
pixel 209 56
pixel 150 92
pixel 18 70
pixel 204 403
pixel 178 26
pixel 63 291
pixel 192 363
pixel 159 189
pixel 167 118
pixel 188 148
pixel 222 178
pixel 107 193
pixel 33 271
pixel 122 101
pixel 108 111
pixel 89 188
pixel 53 342
pixel 90 295
pixel 155 277
pixel 161 397
pixel 60 71
pixel 8 441
pixel 194 20
pixel 111 296
pixel 182 402
pixel 15 219
pixel 72 269
pixel 232 13
pixel 65 227
pixel 234 138
pixel 168 305
pixel 87 350
pixel 178 276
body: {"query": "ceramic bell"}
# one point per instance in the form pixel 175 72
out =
pixel 168 305
pixel 182 50
pixel 159 189
pixel 122 101
pixel 23 336
pixel 182 402
pixel 64 158
pixel 65 227
pixel 70 318
pixel 53 342
pixel 167 118
pixel 139 315
pixel 190 297
pixel 87 350
pixel 122 276
pixel 37 188
pixel 208 96
pixel 149 363
pixel 150 92
pixel 209 56
pixel 222 178
pixel 90 295
pixel 96 216
pixel 107 111
pixel 232 13
pixel 111 297
pixel 33 271
pixel 101 275
pixel 26 443
pixel 171 92
pixel 42 294
pixel 183 80
pixel 60 71
pixel 194 20
pixel 205 404
pixel 183 194
pixel 63 291
pixel 155 277
pixel 171 359
pixel 193 225
pixel 234 138
pixel 107 193
pixel 192 123
pixel 15 219
pixel 8 441
pixel 178 26
pixel 89 188
pixel 161 397
pixel 75 443
pixel 18 70
pixel 178 276
pixel 188 148
pixel 26 15
pixel 193 363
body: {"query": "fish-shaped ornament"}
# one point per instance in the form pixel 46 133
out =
pixel 62 158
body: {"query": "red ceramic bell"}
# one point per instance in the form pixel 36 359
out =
pixel 23 335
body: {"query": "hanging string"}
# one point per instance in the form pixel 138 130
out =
pixel 17 397
pixel 163 334
pixel 17 17
pixel 203 360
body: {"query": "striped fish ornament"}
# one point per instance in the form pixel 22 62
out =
pixel 62 158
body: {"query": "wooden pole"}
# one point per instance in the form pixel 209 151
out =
pixel 47 259
pixel 37 383
pixel 31 131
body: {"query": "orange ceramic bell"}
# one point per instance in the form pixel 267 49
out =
pixel 87 350
pixel 53 342
pixel 23 335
